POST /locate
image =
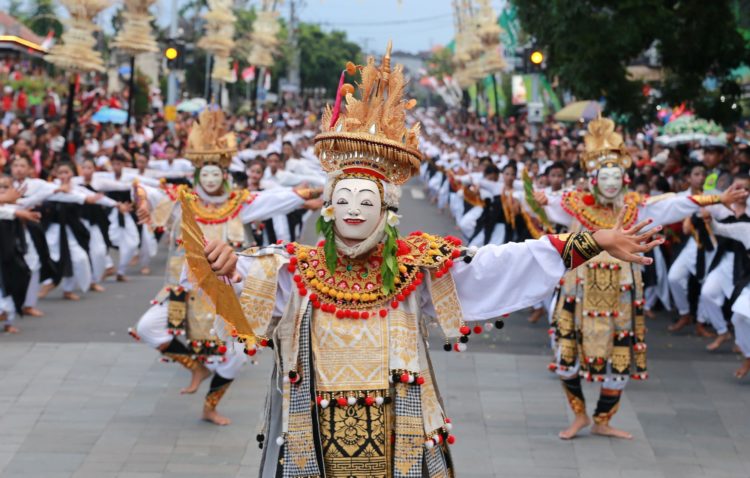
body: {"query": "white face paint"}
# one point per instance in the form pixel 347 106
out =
pixel 356 208
pixel 609 181
pixel 211 178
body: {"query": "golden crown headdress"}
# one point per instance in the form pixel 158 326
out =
pixel 371 135
pixel 209 141
pixel 604 147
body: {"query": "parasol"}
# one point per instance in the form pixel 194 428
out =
pixel 579 110
pixel 110 115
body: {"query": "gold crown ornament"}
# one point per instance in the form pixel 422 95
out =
pixel 209 141
pixel 371 136
pixel 604 147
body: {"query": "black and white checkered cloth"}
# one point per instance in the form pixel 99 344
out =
pixel 299 442
pixel 407 459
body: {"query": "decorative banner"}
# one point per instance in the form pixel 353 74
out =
pixel 519 92
pixel 491 94
pixel 549 97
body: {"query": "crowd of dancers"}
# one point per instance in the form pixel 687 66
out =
pixel 71 221
pixel 63 216
pixel 475 171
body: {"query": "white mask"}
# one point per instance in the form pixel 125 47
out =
pixel 211 178
pixel 609 182
pixel 356 208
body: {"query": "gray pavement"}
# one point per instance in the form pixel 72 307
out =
pixel 79 399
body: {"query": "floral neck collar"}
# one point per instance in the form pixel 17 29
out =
pixel 355 289
pixel 594 216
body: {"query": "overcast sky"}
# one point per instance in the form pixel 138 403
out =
pixel 414 25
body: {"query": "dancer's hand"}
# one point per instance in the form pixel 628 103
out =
pixel 541 198
pixel 222 258
pixel 732 195
pixel 313 204
pixel 11 195
pixel 93 198
pixel 143 214
pixel 27 215
pixel 627 244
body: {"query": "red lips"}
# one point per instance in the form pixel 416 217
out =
pixel 354 221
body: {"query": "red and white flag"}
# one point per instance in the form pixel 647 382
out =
pixel 248 74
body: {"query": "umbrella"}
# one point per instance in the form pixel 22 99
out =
pixel 110 115
pixel 193 105
pixel 579 110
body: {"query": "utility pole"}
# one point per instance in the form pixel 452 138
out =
pixel 172 79
pixel 293 77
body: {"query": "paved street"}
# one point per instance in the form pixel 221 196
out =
pixel 78 398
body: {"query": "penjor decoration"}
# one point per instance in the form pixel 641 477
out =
pixel 77 52
pixel 219 38
pixel 264 37
pixel 135 36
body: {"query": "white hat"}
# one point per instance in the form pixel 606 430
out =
pixel 39 122
pixel 661 158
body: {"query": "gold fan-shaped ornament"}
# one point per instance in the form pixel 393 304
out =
pixel 604 146
pixel 202 276
pixel 372 133
pixel 210 141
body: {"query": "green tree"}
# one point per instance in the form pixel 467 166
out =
pixel 440 63
pixel 15 10
pixel 589 45
pixel 323 56
pixel 43 19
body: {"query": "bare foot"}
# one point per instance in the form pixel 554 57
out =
pixel 97 288
pixel 649 314
pixel 744 369
pixel 145 271
pixel 109 272
pixel 579 423
pixel 32 312
pixel 45 289
pixel 608 431
pixel 10 329
pixel 71 296
pixel 214 417
pixel 683 322
pixel 713 346
pixel 134 261
pixel 200 373
pixel 536 315
pixel 122 278
pixel 702 331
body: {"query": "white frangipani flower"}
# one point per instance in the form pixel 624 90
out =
pixel 327 213
pixel 393 219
